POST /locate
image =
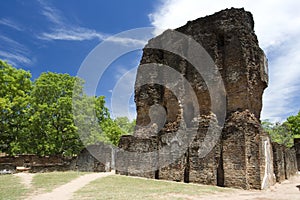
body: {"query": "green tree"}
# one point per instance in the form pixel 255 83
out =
pixel 52 116
pixel 279 133
pixel 293 123
pixel 15 87
pixel 126 125
pixel 89 113
pixel 53 131
pixel 111 131
pixel 94 122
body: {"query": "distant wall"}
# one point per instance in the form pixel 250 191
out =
pixel 94 158
pixel 36 163
pixel 297 149
pixel 285 162
pixel 279 164
pixel 290 162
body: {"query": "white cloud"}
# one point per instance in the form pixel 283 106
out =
pixel 12 44
pixel 51 13
pixel 277 24
pixel 15 58
pixel 127 41
pixel 281 98
pixel 62 29
pixel 11 24
pixel 13 52
pixel 74 33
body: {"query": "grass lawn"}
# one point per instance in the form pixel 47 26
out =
pixel 46 182
pixel 122 187
pixel 11 188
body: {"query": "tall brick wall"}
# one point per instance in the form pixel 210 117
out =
pixel 240 158
pixel 247 153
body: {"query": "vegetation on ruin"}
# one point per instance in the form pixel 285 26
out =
pixel 52 115
pixel 284 133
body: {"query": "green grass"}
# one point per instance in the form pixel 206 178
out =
pixel 122 187
pixel 11 188
pixel 46 182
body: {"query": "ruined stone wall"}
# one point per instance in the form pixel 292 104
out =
pixel 290 162
pixel 285 163
pixel 297 150
pixel 247 153
pixel 130 164
pixel 204 169
pixel 228 36
pixel 94 158
pixel 241 157
pixel 36 163
pixel 279 162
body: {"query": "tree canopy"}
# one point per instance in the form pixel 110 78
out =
pixel 284 133
pixel 52 115
pixel 15 87
pixel 293 124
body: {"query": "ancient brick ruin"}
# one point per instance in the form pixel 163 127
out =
pixel 242 156
pixel 223 144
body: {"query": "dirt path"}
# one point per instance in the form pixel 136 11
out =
pixel 287 190
pixel 66 191
pixel 26 178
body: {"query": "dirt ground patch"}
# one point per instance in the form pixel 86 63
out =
pixel 66 191
pixel 287 190
pixel 26 178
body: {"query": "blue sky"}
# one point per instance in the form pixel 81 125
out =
pixel 58 35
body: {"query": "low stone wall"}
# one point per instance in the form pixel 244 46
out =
pixel 36 163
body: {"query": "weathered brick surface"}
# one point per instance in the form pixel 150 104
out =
pixel 36 163
pixel 279 163
pixel 297 150
pixel 133 164
pixel 243 155
pixel 203 169
pixel 285 162
pixel 94 158
pixel 290 162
